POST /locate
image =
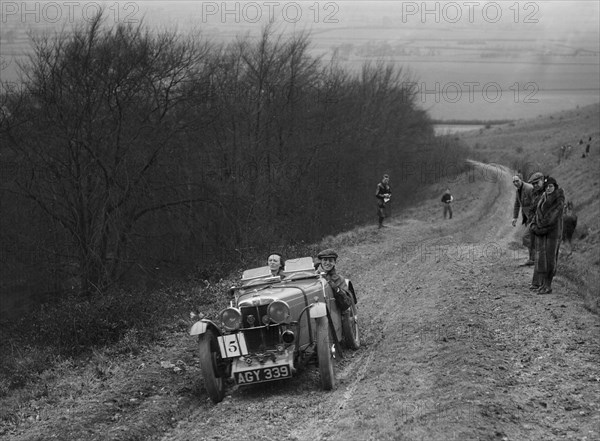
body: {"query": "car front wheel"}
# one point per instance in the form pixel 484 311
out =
pixel 326 354
pixel 350 328
pixel 210 358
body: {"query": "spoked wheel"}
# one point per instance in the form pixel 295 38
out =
pixel 350 328
pixel 210 362
pixel 326 354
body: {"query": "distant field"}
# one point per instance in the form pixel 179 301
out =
pixel 507 108
pixel 463 71
pixel 448 129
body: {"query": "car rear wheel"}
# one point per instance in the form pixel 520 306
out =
pixel 210 358
pixel 325 354
pixel 350 328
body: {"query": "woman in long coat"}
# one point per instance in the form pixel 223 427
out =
pixel 547 226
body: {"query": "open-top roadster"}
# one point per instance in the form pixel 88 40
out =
pixel 273 326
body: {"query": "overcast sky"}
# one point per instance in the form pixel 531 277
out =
pixel 551 46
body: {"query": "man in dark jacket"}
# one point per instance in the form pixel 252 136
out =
pixel 547 226
pixel 523 201
pixel 447 201
pixel 537 180
pixel 383 193
pixel 326 264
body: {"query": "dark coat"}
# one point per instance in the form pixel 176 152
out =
pixel 536 195
pixel 547 225
pixel 336 281
pixel 523 201
pixel 380 192
pixel 340 289
pixel 569 225
pixel 447 198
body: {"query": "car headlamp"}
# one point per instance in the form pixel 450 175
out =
pixel 231 318
pixel 279 312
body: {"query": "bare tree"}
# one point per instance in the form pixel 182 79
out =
pixel 134 146
pixel 100 110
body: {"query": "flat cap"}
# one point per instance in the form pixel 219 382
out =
pixel 329 252
pixel 534 177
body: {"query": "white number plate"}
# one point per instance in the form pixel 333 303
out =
pixel 263 374
pixel 232 345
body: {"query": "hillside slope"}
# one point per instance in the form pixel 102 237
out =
pixel 454 347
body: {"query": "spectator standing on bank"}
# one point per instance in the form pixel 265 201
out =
pixel 447 201
pixel 587 147
pixel 537 180
pixel 523 202
pixel 569 225
pixel 547 226
pixel 383 193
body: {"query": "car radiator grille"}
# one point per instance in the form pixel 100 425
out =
pixel 262 337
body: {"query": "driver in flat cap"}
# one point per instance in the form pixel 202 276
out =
pixel 326 264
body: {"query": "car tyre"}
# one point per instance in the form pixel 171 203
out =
pixel 325 354
pixel 350 328
pixel 210 359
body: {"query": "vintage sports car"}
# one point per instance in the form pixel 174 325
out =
pixel 274 326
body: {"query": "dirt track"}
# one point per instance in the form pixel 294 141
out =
pixel 455 347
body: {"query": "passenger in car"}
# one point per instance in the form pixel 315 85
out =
pixel 276 264
pixel 327 260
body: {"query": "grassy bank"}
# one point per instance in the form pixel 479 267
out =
pixel 535 145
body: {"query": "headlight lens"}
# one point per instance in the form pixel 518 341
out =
pixel 231 318
pixel 279 312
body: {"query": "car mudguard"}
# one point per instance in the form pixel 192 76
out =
pixel 201 326
pixel 351 289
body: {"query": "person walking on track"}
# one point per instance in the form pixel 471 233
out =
pixel 383 193
pixel 447 201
